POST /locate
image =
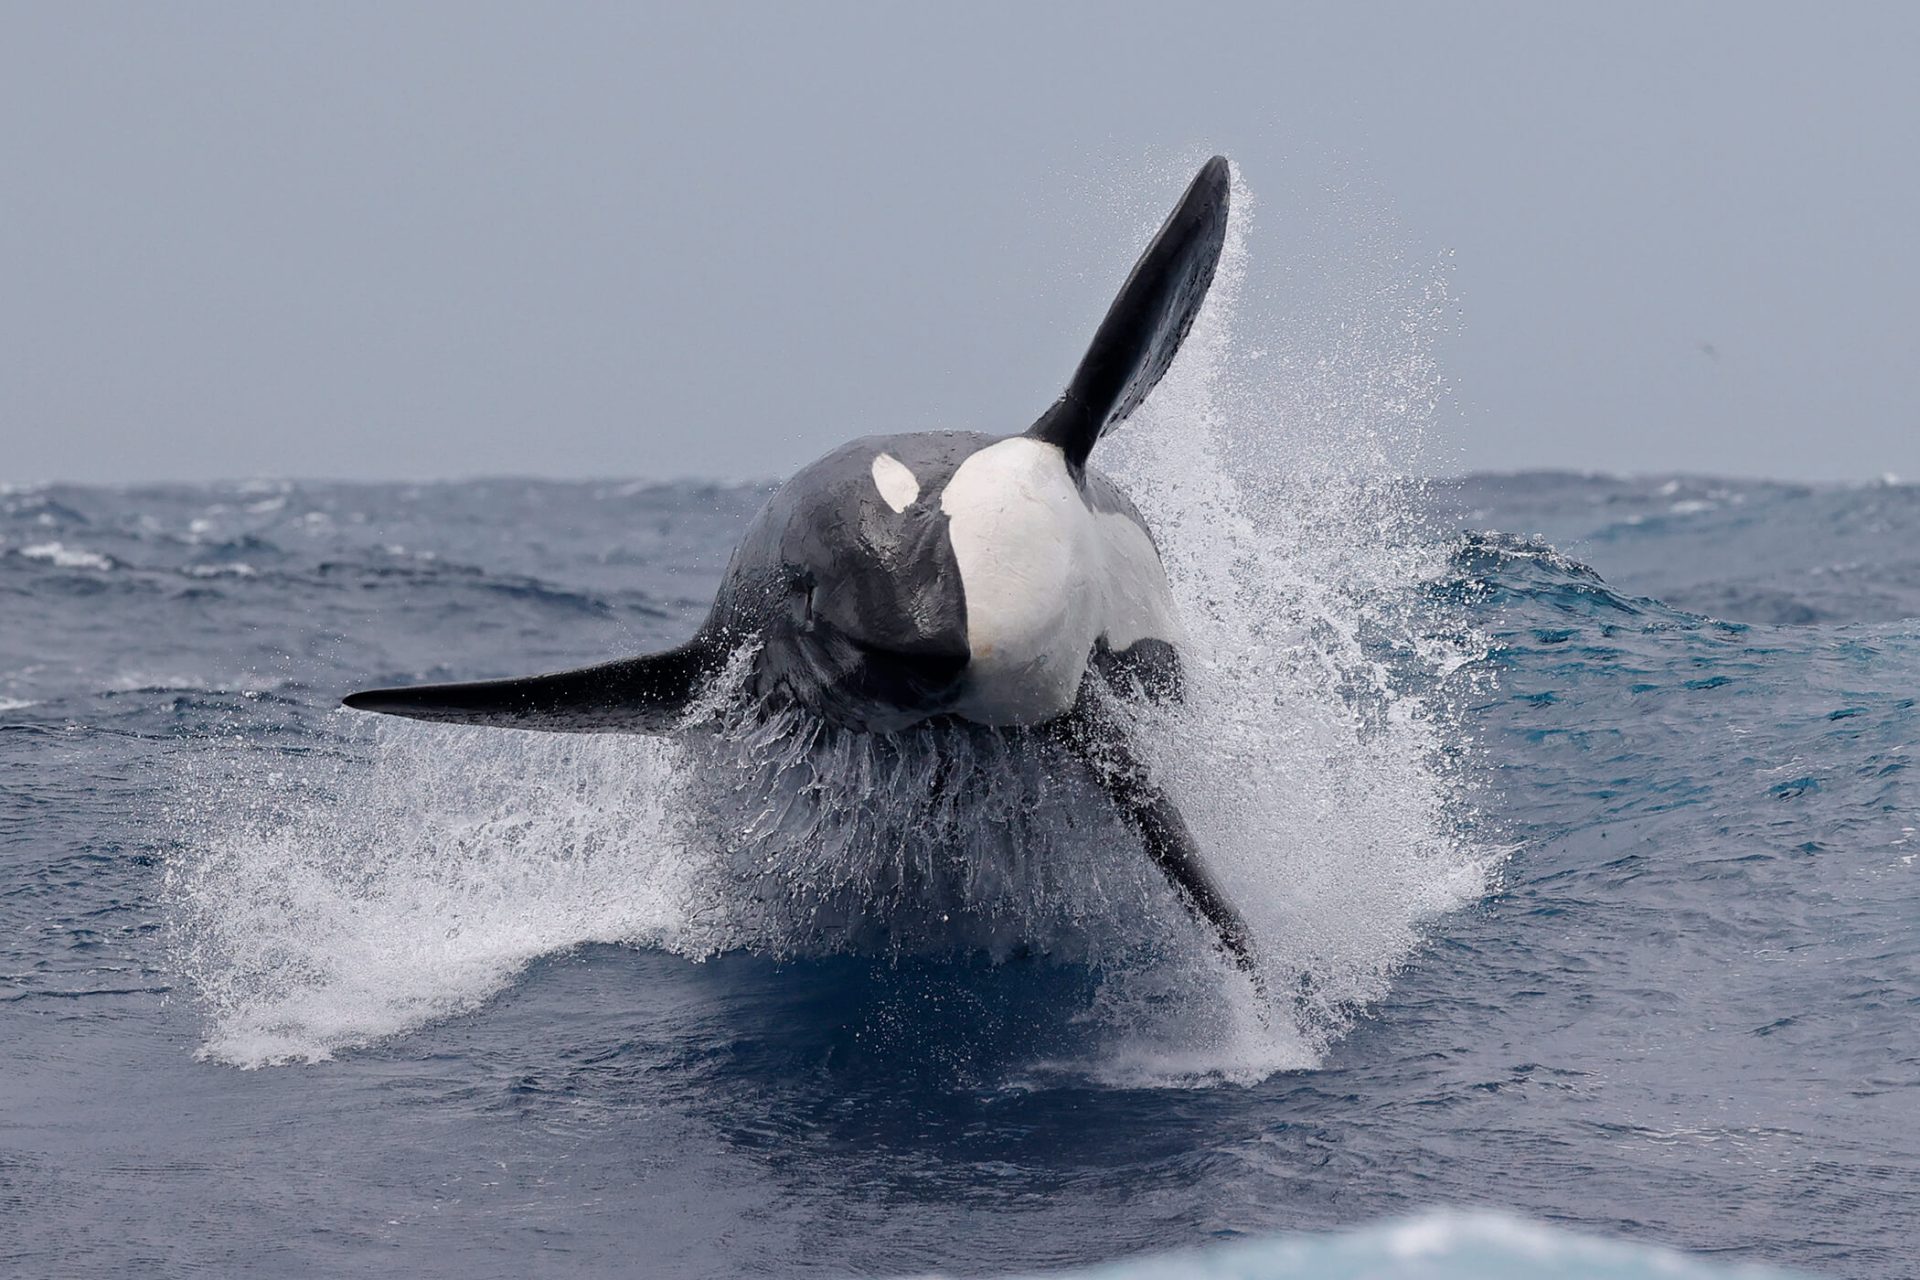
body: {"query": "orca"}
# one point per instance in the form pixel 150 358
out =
pixel 900 579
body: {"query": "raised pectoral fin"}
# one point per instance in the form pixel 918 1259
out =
pixel 1148 320
pixel 650 694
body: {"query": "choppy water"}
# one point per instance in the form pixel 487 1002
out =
pixel 1683 1008
pixel 1574 817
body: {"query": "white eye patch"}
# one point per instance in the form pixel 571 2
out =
pixel 896 484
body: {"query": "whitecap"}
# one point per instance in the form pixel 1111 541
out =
pixel 247 683
pixel 62 556
pixel 1477 1243
pixel 1438 1244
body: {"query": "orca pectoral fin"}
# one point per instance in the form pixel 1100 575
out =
pixel 649 694
pixel 1101 744
pixel 1172 849
pixel 1148 320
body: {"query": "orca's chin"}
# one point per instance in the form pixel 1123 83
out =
pixel 882 690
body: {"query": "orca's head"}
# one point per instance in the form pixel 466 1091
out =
pixel 869 619
pixel 849 575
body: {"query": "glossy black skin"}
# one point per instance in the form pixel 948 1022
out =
pixel 858 607
pixel 858 610
pixel 1149 319
pixel 855 611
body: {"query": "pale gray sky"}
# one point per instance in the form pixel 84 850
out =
pixel 438 240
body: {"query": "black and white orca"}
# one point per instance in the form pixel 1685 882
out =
pixel 1001 581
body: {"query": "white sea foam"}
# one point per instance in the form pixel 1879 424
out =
pixel 1439 1244
pixel 62 556
pixel 323 904
pixel 331 907
pixel 246 682
pixel 16 704
pixel 1309 765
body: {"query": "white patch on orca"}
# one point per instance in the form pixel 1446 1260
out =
pixel 899 486
pixel 1044 577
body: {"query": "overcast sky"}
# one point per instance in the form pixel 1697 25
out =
pixel 445 240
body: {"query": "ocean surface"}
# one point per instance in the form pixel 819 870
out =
pixel 1573 819
pixel 1575 814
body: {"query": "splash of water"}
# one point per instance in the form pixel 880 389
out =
pixel 941 839
pixel 332 903
pixel 413 873
pixel 1312 753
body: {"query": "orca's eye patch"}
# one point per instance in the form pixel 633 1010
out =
pixel 898 486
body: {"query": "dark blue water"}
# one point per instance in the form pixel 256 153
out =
pixel 1602 905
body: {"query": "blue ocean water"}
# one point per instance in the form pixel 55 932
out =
pixel 1577 814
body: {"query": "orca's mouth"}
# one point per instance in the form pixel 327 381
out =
pixel 867 682
pixel 880 688
pixel 933 655
pixel 913 678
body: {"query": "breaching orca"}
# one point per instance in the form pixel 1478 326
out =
pixel 906 578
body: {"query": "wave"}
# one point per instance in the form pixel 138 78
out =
pixel 1437 1245
pixel 61 556
pixel 1744 550
pixel 1493 570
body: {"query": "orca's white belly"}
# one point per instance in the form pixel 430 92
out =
pixel 1044 578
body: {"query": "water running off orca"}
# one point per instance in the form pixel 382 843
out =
pixel 946 575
